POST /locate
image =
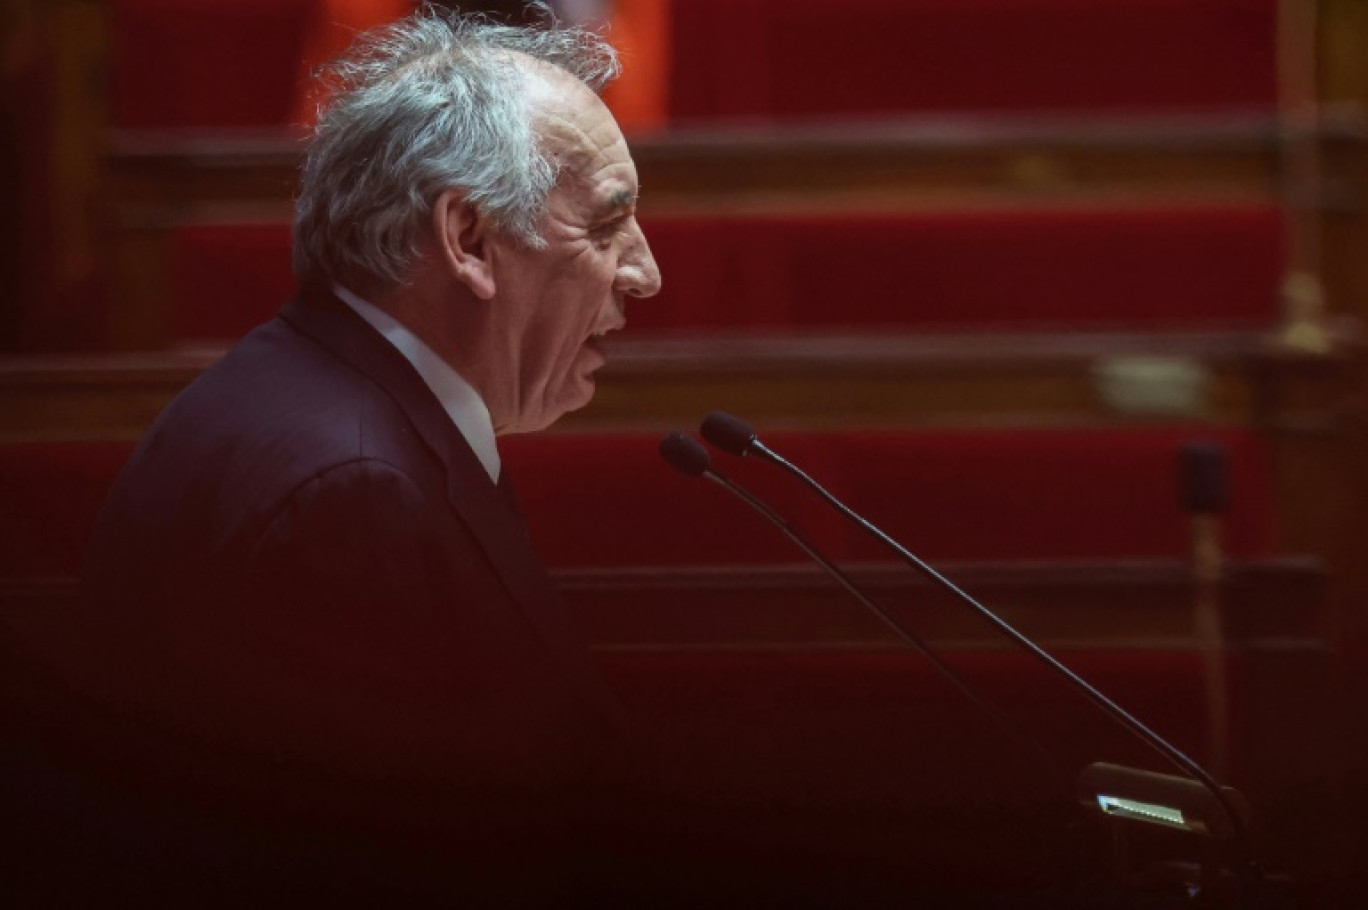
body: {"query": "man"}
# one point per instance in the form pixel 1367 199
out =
pixel 316 598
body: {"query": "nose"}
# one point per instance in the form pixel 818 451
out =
pixel 638 274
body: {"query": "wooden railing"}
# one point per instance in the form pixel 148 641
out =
pixel 156 175
pixel 1228 378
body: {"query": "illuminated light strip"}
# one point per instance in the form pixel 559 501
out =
pixel 1145 812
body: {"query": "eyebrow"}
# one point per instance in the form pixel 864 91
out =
pixel 618 200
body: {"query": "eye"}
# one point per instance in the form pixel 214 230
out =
pixel 602 236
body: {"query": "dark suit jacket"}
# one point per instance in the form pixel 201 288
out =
pixel 315 604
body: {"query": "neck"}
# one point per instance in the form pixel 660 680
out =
pixel 449 320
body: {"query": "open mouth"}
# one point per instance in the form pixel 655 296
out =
pixel 595 341
pixel 597 358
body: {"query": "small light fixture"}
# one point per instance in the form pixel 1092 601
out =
pixel 1159 799
pixel 1135 810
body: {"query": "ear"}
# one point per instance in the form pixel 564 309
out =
pixel 461 234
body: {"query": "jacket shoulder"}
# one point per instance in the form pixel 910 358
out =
pixel 230 451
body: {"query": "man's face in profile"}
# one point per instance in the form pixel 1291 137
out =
pixel 553 305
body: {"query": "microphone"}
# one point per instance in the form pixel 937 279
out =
pixel 729 434
pixel 734 436
pixel 687 456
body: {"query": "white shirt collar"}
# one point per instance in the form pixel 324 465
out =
pixel 459 399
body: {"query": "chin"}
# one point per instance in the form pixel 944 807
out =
pixel 533 421
pixel 562 408
pixel 544 419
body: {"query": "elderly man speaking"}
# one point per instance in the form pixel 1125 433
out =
pixel 319 601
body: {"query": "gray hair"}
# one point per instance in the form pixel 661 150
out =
pixel 433 102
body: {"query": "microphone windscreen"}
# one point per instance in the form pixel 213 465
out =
pixel 728 433
pixel 685 454
pixel 1204 481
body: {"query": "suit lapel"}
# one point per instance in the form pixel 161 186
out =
pixel 485 509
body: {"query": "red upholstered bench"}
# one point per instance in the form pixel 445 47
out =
pixel 608 500
pixel 1015 270
pixel 804 58
pixel 1093 269
pixel 1048 494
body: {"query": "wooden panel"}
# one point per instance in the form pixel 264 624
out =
pixel 895 164
pixel 180 175
pixel 844 381
pixel 100 397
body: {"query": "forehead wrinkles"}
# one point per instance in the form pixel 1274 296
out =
pixel 567 144
pixel 575 131
pixel 579 146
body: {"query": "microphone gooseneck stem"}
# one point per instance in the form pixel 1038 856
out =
pixel 1109 707
pixel 903 635
pixel 792 533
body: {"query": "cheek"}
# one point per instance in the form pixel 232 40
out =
pixel 556 343
pixel 581 302
pixel 569 307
